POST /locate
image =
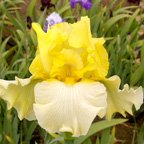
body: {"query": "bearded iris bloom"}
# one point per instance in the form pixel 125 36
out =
pixel 86 4
pixel 53 18
pixel 68 87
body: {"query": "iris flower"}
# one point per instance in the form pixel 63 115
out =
pixel 68 87
pixel 86 4
pixel 134 1
pixel 46 4
pixel 53 18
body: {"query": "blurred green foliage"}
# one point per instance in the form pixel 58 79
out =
pixel 123 29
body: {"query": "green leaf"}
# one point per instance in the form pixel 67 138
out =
pixel 136 76
pixel 113 20
pixel 3 45
pixel 140 135
pixel 97 140
pixel 97 127
pixel 105 136
pixel 64 8
pixel 30 8
pixel 30 131
pixel 129 23
pixel 88 141
pixel 124 10
pixel 15 21
pixel 42 17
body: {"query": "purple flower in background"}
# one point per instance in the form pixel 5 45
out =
pixel 45 27
pixel 86 4
pixel 46 4
pixel 29 22
pixel 134 1
pixel 53 18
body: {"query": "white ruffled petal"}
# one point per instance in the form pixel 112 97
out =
pixel 19 94
pixel 69 108
pixel 122 100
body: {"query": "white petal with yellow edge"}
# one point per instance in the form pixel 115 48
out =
pixel 19 94
pixel 121 100
pixel 69 108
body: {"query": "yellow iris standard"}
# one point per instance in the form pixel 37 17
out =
pixel 68 52
pixel 68 87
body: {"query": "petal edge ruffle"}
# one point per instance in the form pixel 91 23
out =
pixel 19 94
pixel 121 100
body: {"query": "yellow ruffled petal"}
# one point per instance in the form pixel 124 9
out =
pixel 80 35
pixel 37 69
pixel 97 62
pixel 68 50
pixel 48 43
pixel 69 108
pixel 20 95
pixel 101 58
pixel 41 35
pixel 121 100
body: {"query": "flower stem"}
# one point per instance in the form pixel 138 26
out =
pixel 68 142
